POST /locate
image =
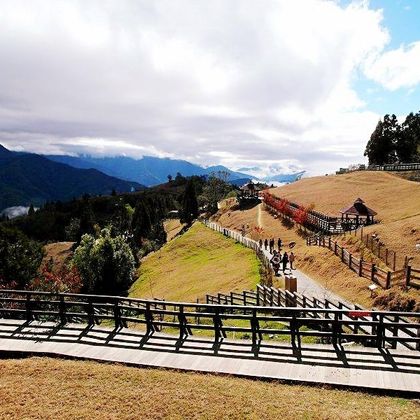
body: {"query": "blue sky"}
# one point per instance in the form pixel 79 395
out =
pixel 402 20
pixel 284 85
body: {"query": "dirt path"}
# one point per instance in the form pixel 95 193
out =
pixel 259 218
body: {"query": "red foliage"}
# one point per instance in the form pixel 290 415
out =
pixel 64 280
pixel 301 215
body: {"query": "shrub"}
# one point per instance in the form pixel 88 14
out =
pixel 397 300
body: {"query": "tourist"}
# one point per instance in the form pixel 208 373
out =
pixel 291 259
pixel 265 244
pixel 275 262
pixel 271 245
pixel 279 244
pixel 285 260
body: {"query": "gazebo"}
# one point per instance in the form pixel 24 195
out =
pixel 358 214
pixel 249 190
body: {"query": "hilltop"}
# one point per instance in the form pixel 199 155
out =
pixel 396 200
pixel 200 261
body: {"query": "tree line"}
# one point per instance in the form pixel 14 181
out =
pixel 392 142
pixel 110 233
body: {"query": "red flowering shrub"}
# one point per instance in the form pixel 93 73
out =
pixel 65 280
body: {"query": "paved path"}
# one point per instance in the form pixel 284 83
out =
pixel 359 367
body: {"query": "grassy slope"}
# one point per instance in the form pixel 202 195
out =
pixel 396 200
pixel 198 262
pixel 51 388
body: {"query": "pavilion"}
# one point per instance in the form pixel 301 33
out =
pixel 358 214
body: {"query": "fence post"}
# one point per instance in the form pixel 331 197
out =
pixel 388 280
pixel 342 254
pixel 361 267
pixel 372 274
pixel 29 315
pixel 350 257
pixel 407 275
pixel 335 247
pixel 329 242
pixel 62 309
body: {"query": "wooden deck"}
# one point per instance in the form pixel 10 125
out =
pixel 352 366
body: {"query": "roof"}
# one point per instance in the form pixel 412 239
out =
pixel 358 208
pixel 249 187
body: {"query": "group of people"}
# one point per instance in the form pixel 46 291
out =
pixel 278 259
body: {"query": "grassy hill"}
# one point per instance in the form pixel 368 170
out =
pixel 198 262
pixel 65 389
pixel 396 200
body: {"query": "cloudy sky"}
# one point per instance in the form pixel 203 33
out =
pixel 288 83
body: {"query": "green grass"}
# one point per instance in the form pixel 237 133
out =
pixel 197 263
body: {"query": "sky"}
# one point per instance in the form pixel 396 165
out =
pixel 283 85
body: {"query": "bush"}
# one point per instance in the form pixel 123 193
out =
pixel 106 264
pixel 20 258
pixel 65 280
pixel 397 300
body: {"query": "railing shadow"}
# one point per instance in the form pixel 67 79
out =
pixel 334 355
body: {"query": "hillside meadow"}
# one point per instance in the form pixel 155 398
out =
pixel 198 262
pixel 40 388
pixel 395 199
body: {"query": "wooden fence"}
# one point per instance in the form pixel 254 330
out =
pixel 271 296
pixel 385 278
pixel 395 167
pixel 258 322
pixel 312 219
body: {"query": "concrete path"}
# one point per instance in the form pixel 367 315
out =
pixel 367 368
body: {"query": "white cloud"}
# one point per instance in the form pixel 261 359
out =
pixel 397 68
pixel 237 82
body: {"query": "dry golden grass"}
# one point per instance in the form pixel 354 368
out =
pixel 396 200
pixel 172 228
pixel 42 388
pixel 198 262
pixel 60 252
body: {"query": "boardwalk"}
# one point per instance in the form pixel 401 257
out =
pixel 368 368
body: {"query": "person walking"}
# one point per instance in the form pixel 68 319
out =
pixel 291 259
pixel 265 244
pixel 285 260
pixel 275 262
pixel 271 246
pixel 279 244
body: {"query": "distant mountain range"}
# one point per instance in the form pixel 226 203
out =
pixel 148 170
pixel 27 178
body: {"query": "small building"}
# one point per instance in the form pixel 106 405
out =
pixel 249 194
pixel 358 214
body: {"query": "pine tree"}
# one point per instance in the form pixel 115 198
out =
pixel 189 210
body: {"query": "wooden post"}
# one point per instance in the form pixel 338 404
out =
pixel 372 274
pixel 361 267
pixel 244 296
pixel 350 257
pixel 388 280
pixel 335 247
pixel 90 312
pixel 407 275
pixel 329 242
pixel 62 310
pixel 29 315
pixel 342 254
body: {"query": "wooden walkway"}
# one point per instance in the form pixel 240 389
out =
pixel 353 366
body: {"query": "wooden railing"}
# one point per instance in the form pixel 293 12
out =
pixel 385 278
pixel 257 322
pixel 272 296
pixel 395 167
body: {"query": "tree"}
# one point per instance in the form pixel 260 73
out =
pixel 214 190
pixel 31 210
pixel 189 210
pixel 409 142
pixel 106 264
pixel 381 147
pixel 20 258
pixel 169 178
